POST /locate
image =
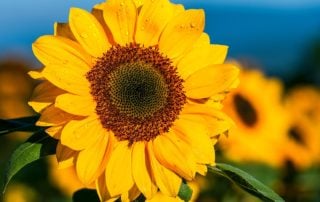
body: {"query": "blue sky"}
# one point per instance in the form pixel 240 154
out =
pixel 274 32
pixel 268 3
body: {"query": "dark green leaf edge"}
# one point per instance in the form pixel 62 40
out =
pixel 26 124
pixel 37 146
pixel 246 182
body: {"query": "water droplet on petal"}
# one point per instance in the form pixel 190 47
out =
pixel 84 35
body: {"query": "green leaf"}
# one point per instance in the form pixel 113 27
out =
pixel 37 146
pixel 246 182
pixel 20 124
pixel 185 192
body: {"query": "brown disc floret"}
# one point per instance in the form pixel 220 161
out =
pixel 138 92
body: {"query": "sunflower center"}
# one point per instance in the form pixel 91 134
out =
pixel 138 92
pixel 245 110
pixel 295 134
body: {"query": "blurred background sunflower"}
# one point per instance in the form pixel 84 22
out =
pixel 260 120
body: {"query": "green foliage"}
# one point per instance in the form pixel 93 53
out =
pixel 185 192
pixel 37 146
pixel 246 182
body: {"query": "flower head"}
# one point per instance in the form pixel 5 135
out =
pixel 303 144
pixel 260 118
pixel 132 91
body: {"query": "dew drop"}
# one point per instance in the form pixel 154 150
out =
pixel 84 35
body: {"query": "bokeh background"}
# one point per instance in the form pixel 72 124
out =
pixel 281 38
pixel 276 34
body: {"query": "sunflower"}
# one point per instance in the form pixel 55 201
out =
pixel 132 92
pixel 303 145
pixel 260 120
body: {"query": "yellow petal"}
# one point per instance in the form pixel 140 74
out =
pixel 210 80
pixel 201 57
pixel 44 95
pixel 75 104
pixel 102 190
pixel 181 33
pixel 152 19
pixel 218 54
pixel 99 6
pixel 202 169
pixel 63 29
pixel 65 156
pixel 216 121
pixel 59 50
pixel 91 161
pixel 81 134
pixel 35 75
pixel 167 181
pixel 160 197
pixel 139 3
pixel 141 174
pixel 196 136
pixel 202 41
pixel 131 195
pixel 88 32
pixel 69 79
pixel 119 170
pixel 55 131
pixel 45 92
pixel 53 116
pixel 98 14
pixel 120 16
pixel 178 9
pixel 218 127
pixel 134 193
pixel 39 106
pixel 175 155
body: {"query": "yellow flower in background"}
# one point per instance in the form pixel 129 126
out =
pixel 303 145
pixel 130 92
pixel 18 192
pixel 64 178
pixel 15 89
pixel 260 120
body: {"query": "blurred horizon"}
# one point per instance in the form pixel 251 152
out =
pixel 273 34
